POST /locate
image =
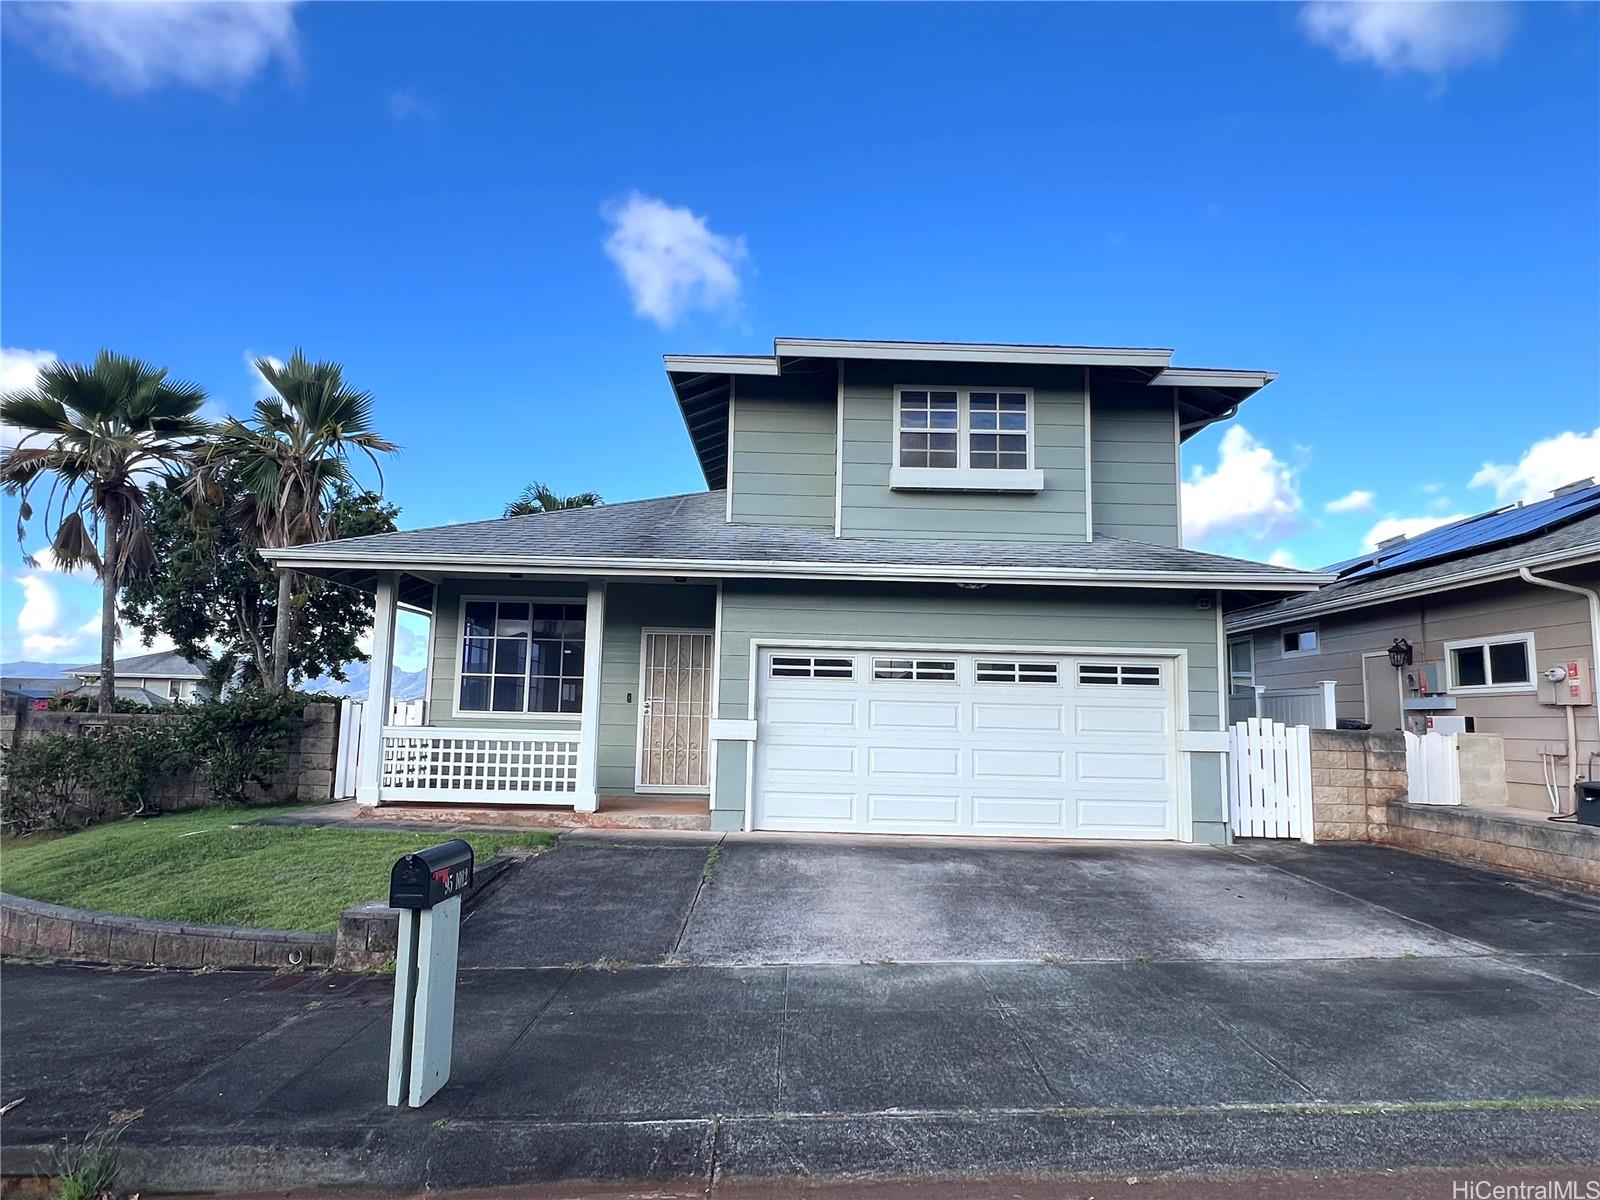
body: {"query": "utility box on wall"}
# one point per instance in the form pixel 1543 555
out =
pixel 1425 679
pixel 1567 683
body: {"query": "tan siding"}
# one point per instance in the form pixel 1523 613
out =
pixel 1560 626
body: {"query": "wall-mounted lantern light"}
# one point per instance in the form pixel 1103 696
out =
pixel 1400 654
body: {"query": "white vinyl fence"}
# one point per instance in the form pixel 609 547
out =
pixel 1433 768
pixel 1269 780
pixel 1313 706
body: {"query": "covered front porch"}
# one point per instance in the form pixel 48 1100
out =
pixel 580 696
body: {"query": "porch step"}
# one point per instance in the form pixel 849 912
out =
pixel 616 812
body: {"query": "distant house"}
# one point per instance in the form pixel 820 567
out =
pixel 1488 606
pixel 157 678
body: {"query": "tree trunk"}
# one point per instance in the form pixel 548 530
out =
pixel 108 619
pixel 278 682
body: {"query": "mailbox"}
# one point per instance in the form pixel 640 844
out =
pixel 432 876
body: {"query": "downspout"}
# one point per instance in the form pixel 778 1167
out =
pixel 1594 653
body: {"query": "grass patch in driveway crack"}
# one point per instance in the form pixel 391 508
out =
pixel 713 856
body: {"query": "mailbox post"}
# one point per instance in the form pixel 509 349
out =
pixel 427 888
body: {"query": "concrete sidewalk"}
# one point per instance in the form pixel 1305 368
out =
pixel 1399 1014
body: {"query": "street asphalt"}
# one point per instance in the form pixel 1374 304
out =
pixel 800 1008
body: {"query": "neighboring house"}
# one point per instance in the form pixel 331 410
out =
pixel 1487 605
pixel 935 588
pixel 158 678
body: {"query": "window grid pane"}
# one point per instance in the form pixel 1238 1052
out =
pixel 505 670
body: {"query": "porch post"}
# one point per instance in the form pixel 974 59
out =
pixel 594 628
pixel 376 714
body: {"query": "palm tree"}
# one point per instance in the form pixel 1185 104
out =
pixel 536 498
pixel 293 455
pixel 99 433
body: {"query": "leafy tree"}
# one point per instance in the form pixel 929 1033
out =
pixel 292 458
pixel 212 594
pixel 537 498
pixel 98 433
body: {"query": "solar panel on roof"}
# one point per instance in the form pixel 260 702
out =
pixel 1481 532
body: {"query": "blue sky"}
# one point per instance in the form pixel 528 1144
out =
pixel 1394 206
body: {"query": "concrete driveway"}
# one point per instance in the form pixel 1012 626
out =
pixel 759 900
pixel 727 1010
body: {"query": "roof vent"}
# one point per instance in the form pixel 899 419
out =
pixel 1577 485
pixel 1388 543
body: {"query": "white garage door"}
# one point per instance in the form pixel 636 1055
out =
pixel 998 744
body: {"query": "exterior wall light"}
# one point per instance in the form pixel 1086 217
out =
pixel 1400 654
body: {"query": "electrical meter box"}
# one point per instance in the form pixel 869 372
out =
pixel 1569 682
pixel 1425 679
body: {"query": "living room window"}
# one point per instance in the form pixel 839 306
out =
pixel 521 656
pixel 978 439
pixel 1497 664
pixel 1302 639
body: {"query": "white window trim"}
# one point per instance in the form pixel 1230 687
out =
pixel 472 714
pixel 1452 688
pixel 1311 626
pixel 962 477
pixel 1249 640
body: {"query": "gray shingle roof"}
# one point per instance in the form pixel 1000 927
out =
pixel 164 663
pixel 693 528
pixel 1575 540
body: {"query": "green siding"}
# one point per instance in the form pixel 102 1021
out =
pixel 446 649
pixel 781 447
pixel 1135 463
pixel 871 509
pixel 629 608
pixel 875 613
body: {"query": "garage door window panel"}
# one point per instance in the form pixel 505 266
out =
pixel 914 670
pixel 1119 674
pixel 1012 671
pixel 798 666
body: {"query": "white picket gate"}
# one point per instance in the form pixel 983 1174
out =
pixel 1269 780
pixel 347 760
pixel 1433 768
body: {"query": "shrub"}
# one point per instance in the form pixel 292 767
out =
pixel 66 782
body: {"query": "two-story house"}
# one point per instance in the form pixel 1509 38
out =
pixel 932 588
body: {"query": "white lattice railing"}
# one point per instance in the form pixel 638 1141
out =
pixel 481 766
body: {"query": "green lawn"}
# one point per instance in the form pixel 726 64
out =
pixel 208 867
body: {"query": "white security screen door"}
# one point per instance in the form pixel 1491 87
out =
pixel 674 710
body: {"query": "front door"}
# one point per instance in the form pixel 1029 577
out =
pixel 674 710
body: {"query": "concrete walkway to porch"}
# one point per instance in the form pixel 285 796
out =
pixel 615 812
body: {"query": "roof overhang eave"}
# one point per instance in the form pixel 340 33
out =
pixel 1249 619
pixel 746 569
pixel 1092 356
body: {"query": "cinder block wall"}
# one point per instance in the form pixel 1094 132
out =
pixel 1355 775
pixel 307 772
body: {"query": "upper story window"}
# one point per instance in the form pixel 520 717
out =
pixel 521 657
pixel 977 439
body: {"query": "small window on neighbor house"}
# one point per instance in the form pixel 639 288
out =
pixel 1493 663
pixel 1011 671
pixel 1300 641
pixel 810 666
pixel 1119 674
pixel 922 670
pixel 1241 664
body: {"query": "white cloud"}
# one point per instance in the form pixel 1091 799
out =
pixel 59 618
pixel 671 260
pixel 1431 36
pixel 1406 527
pixel 406 105
pixel 19 372
pixel 1251 494
pixel 1546 465
pixel 140 45
pixel 1354 502
pixel 1283 557
pixel 260 389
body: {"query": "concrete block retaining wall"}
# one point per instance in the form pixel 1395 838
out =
pixel 1359 792
pixel 34 929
